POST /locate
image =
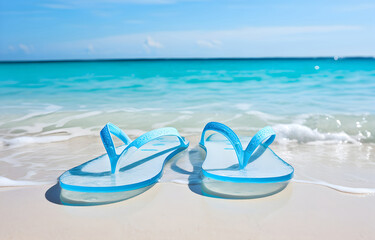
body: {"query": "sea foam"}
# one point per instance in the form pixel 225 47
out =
pixel 57 135
pixel 304 134
pixel 6 182
pixel 339 188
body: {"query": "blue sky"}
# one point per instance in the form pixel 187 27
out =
pixel 91 29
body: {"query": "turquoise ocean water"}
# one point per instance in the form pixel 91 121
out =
pixel 323 110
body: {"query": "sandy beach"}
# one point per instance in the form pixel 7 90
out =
pixel 174 211
pixel 175 208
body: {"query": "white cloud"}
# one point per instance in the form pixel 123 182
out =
pixel 21 48
pixel 328 40
pixel 25 48
pixel 74 4
pixel 133 21
pixel 56 6
pixel 357 7
pixel 151 43
pixel 90 48
pixel 209 43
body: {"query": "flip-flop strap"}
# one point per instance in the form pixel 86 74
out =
pixel 152 135
pixel 107 140
pixel 264 137
pixel 145 138
pixel 229 134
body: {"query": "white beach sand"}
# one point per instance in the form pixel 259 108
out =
pixel 173 211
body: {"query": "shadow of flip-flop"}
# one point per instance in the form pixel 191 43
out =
pixel 53 194
pixel 57 195
pixel 194 179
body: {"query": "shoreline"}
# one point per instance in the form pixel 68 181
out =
pixel 325 165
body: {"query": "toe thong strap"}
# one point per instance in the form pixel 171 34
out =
pixel 265 137
pixel 229 134
pixel 137 143
pixel 107 140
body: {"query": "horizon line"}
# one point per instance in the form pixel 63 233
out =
pixel 183 59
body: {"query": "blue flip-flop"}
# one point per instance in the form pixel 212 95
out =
pixel 135 165
pixel 242 172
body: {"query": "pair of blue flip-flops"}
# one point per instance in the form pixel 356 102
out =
pixel 139 164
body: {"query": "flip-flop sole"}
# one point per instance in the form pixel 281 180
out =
pixel 266 174
pixel 142 169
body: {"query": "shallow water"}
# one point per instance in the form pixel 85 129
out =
pixel 323 111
